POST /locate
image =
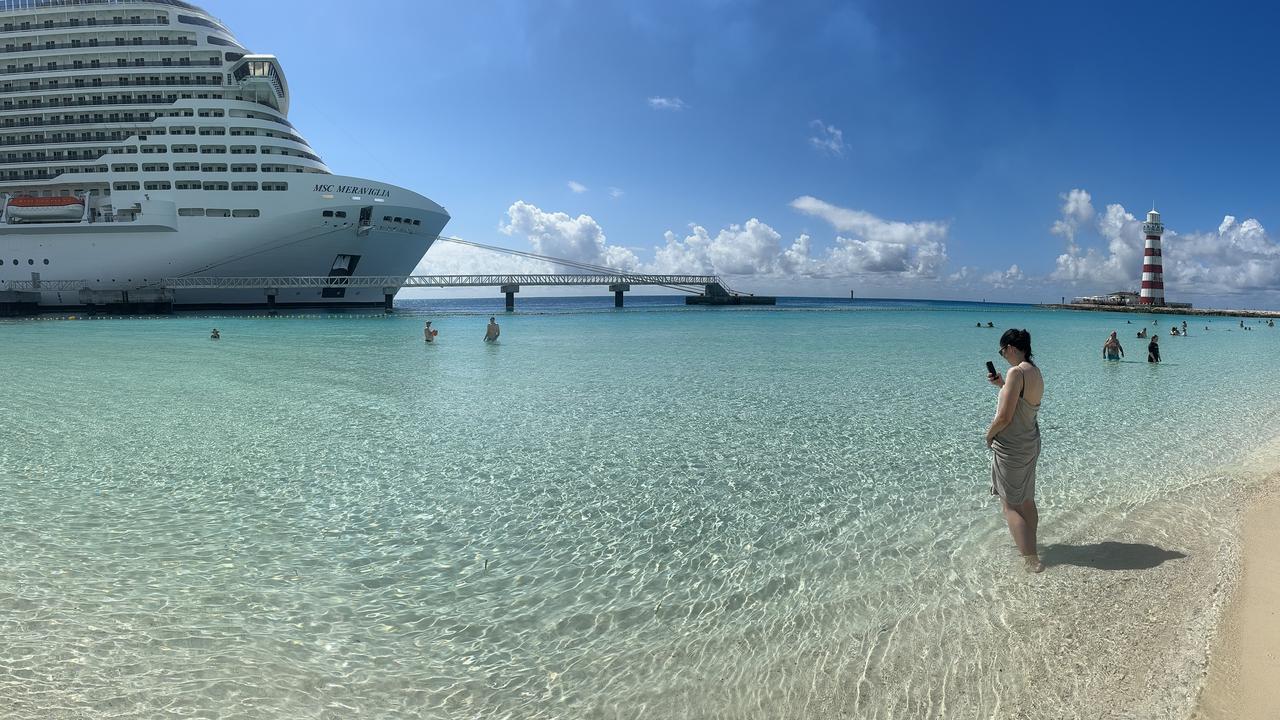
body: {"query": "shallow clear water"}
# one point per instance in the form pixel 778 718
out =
pixel 660 512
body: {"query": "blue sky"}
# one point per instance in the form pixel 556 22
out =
pixel 810 148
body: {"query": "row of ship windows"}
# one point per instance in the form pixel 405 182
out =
pixel 13 68
pixel 81 192
pixel 145 115
pixel 87 118
pixel 97 82
pixel 95 153
pixel 93 42
pixel 50 173
pixel 31 261
pixel 91 21
pixel 385 218
pixel 140 132
pixel 181 185
pixel 191 185
pixel 83 101
pixel 208 167
pixel 166 185
pixel 217 212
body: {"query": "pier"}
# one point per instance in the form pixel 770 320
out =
pixel 1184 310
pixel 164 296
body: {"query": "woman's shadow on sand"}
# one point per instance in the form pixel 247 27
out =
pixel 1108 555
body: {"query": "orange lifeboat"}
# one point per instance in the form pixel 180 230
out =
pixel 45 209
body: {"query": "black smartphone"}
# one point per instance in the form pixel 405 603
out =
pixel 991 369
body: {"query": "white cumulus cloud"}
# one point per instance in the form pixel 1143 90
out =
pixel 1007 279
pixel 1118 266
pixel 752 248
pixel 869 227
pixel 874 245
pixel 1077 209
pixel 1239 257
pixel 557 235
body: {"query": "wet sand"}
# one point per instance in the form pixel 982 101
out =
pixel 1244 669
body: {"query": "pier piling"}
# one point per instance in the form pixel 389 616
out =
pixel 617 291
pixel 510 291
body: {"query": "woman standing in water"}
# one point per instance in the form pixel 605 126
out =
pixel 1014 438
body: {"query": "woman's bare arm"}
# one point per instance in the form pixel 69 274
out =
pixel 1008 402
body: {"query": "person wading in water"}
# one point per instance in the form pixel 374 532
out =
pixel 1014 439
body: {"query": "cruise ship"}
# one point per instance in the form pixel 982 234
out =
pixel 140 141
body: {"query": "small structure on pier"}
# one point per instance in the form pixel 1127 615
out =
pixel 717 294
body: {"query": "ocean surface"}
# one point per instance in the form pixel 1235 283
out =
pixel 655 512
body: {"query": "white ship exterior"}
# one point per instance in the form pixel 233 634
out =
pixel 140 141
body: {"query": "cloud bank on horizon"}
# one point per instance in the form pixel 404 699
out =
pixel 1103 252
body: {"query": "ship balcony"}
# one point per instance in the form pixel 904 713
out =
pixel 70 138
pixel 92 45
pixel 83 24
pixel 57 89
pixel 31 69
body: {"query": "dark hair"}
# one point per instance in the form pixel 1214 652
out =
pixel 1020 339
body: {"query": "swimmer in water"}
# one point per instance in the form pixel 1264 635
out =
pixel 215 335
pixel 1111 349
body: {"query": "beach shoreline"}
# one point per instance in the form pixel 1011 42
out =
pixel 1244 658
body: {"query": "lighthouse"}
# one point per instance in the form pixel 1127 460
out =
pixel 1152 292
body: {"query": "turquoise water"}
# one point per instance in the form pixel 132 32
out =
pixel 651 513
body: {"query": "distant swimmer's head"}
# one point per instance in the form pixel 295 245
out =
pixel 1113 333
pixel 428 322
pixel 1019 340
pixel 491 319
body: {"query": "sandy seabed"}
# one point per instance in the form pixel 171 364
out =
pixel 1137 616
pixel 1171 612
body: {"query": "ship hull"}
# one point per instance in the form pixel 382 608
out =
pixel 316 228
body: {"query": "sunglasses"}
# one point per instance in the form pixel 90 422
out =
pixel 1002 349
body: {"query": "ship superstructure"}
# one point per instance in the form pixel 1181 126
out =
pixel 139 140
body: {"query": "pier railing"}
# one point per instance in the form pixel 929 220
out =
pixel 426 281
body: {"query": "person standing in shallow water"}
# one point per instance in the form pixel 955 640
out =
pixel 1112 349
pixel 1153 349
pixel 1014 439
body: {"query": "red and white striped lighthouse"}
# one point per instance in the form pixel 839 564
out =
pixel 1152 292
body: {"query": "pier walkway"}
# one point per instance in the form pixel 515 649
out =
pixel 700 289
pixel 509 285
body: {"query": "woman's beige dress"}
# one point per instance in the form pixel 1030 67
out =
pixel 1015 452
